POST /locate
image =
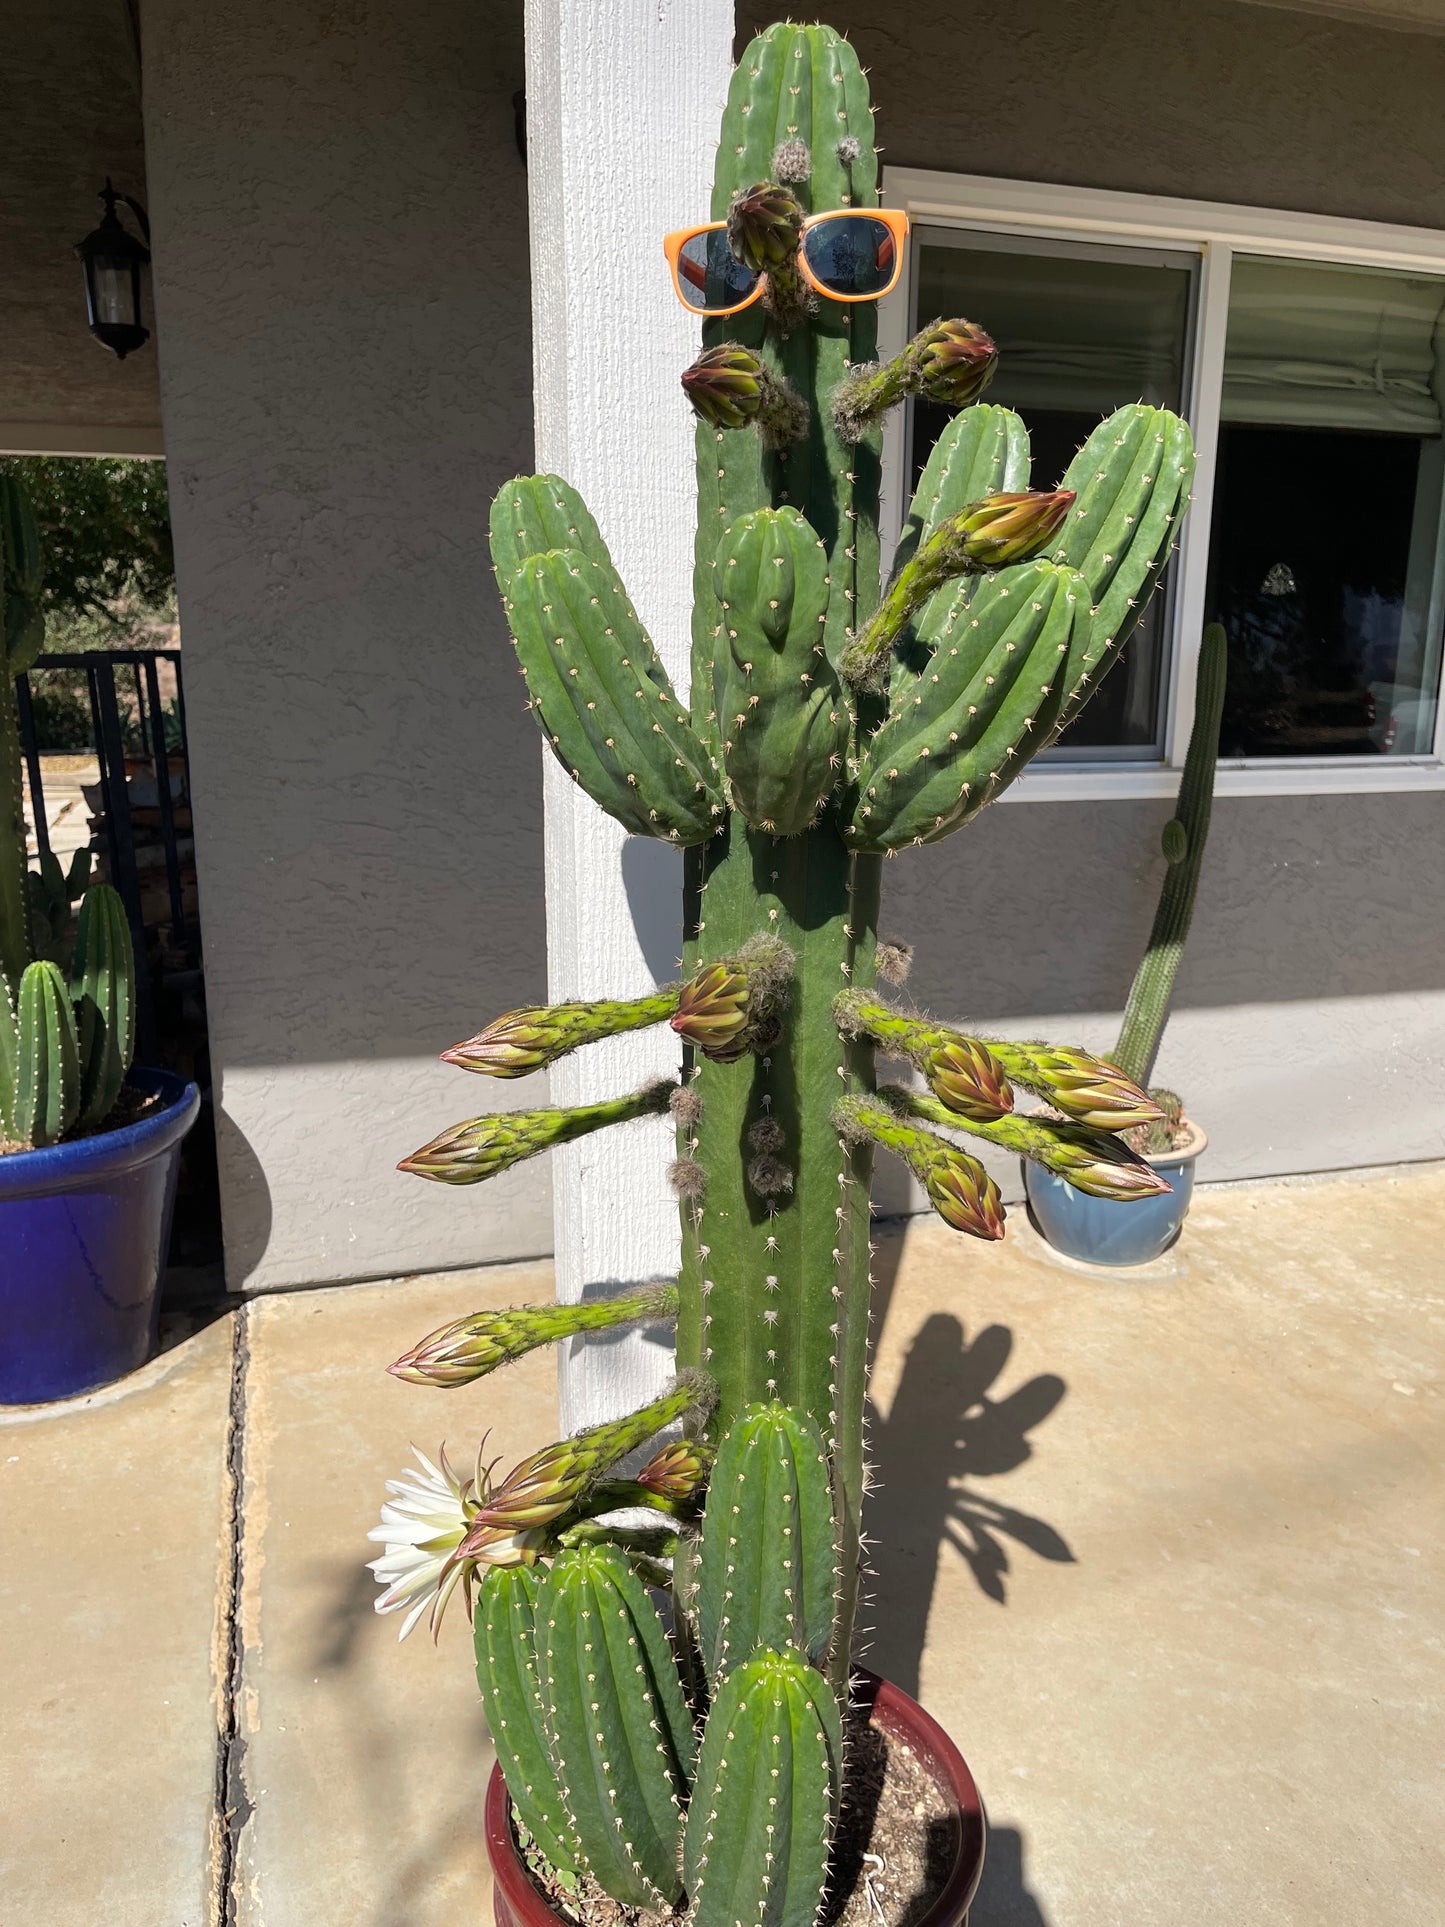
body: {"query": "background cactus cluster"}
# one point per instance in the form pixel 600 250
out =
pixel 828 726
pixel 67 1007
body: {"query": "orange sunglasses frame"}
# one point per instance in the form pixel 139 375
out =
pixel 894 219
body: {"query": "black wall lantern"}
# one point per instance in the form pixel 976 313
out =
pixel 113 259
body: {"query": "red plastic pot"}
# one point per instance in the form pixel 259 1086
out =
pixel 517 1903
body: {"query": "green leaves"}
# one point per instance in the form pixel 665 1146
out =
pixel 604 700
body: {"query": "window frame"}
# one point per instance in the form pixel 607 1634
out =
pixel 1213 232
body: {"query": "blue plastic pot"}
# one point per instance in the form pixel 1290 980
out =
pixel 83 1234
pixel 1101 1231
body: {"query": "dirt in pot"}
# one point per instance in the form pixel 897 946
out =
pixel 896 1842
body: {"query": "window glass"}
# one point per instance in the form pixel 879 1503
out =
pixel 1080 331
pixel 1326 548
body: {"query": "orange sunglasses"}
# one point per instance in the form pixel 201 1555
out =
pixel 847 254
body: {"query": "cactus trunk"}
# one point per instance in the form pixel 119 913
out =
pixel 774 1287
pixel 15 950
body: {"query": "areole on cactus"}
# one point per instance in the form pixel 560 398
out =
pixel 829 724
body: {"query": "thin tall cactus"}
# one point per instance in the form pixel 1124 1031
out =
pixel 828 725
pixel 1183 840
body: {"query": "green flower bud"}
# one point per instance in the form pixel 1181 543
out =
pixel 954 362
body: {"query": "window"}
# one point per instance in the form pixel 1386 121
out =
pixel 1309 356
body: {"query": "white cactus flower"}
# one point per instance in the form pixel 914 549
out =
pixel 422 1526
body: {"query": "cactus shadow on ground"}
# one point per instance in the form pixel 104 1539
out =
pixel 948 1427
pixel 1003 1898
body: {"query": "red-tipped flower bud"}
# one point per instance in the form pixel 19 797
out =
pixel 969 1079
pixel 963 1194
pixel 954 361
pixel 677 1471
pixel 1011 528
pixel 1085 1088
pixel 712 1009
pixel 764 223
pixel 725 385
pixel 729 387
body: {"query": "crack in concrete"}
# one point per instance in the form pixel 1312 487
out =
pixel 233 1805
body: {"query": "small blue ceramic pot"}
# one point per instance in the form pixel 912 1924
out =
pixel 1101 1231
pixel 83 1233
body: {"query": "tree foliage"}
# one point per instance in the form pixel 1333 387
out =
pixel 105 534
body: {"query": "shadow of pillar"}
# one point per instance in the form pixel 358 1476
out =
pixel 948 1428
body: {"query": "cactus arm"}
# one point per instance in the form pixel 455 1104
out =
pixel 766 1573
pixel 533 514
pixel 1131 479
pixel 102 988
pixel 760 1823
pixel 778 700
pixel 972 718
pixel 47 1097
pixel 504 1635
pixel 606 706
pixel 612 1739
pixel 1147 1010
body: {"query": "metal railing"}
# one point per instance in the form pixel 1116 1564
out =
pixel 147 722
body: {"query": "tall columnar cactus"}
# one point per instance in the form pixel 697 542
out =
pixel 65 1043
pixel 829 724
pixel 1183 840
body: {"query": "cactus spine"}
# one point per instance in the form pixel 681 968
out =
pixel 65 1047
pixel 1184 838
pixel 828 725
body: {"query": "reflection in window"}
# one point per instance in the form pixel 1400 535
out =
pixel 1080 331
pixel 1327 545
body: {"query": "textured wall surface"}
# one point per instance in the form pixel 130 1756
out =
pixel 70 107
pixel 341 243
pixel 1254 105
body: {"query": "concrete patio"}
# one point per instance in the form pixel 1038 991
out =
pixel 1161 1549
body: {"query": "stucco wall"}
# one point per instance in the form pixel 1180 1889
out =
pixel 1310 1019
pixel 341 247
pixel 70 96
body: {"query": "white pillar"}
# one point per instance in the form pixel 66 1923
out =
pixel 623 104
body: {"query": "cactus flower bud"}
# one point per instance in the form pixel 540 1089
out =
pixel 1008 528
pixel 729 387
pixel 969 1078
pixel 955 362
pixel 482 1146
pixel 1091 1160
pixel 535 1036
pixel 712 1008
pixel 555 1480
pixel 1087 1089
pixel 962 1193
pixel 725 385
pixel 469 1348
pixel 679 1470
pixel 960 1190
pixel 764 225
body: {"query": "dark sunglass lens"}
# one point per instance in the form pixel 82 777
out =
pixel 851 254
pixel 710 275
